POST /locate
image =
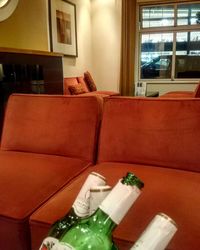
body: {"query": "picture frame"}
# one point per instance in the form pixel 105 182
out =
pixel 63 27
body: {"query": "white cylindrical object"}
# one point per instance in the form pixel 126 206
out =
pixel 119 201
pixel 97 195
pixel 82 202
pixel 157 235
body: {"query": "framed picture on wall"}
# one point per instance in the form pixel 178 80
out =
pixel 63 30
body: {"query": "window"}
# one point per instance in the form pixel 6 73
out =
pixel 169 42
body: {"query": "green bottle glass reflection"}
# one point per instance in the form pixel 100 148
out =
pixel 63 224
pixel 80 209
pixel 95 232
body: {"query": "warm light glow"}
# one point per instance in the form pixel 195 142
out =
pixel 7 7
pixel 3 3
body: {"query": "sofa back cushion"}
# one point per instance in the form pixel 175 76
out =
pixel 50 124
pixel 74 86
pixel 83 82
pixel 153 131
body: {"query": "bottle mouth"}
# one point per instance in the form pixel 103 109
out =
pixel 100 188
pixel 132 179
pixel 139 183
pixel 168 218
pixel 99 175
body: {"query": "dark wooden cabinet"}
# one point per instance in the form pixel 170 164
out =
pixel 26 71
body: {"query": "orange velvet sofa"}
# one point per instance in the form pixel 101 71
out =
pixel 46 142
pixel 183 94
pixel 42 172
pixel 158 140
pixel 84 85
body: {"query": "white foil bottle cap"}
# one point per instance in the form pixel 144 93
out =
pixel 157 235
pixel 119 201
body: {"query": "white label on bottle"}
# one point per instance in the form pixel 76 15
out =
pixel 118 202
pixel 157 234
pixel 48 243
pixel 82 202
pixel 97 195
pixel 62 246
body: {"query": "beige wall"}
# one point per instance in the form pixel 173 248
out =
pixel 26 28
pixel 106 43
pixel 76 66
pixel 99 41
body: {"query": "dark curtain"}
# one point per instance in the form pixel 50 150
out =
pixel 128 47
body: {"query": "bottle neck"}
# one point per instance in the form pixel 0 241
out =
pixel 81 203
pixel 118 202
pixel 101 222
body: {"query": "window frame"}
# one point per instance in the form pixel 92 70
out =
pixel 168 29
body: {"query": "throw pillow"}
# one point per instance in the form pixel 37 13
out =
pixel 90 82
pixel 76 89
pixel 82 81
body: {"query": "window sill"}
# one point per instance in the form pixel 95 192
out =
pixel 160 81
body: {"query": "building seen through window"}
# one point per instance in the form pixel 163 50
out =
pixel 169 42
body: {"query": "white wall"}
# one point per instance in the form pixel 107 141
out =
pixel 76 66
pixel 99 42
pixel 106 43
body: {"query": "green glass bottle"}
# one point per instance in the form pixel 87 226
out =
pixel 95 232
pixel 80 209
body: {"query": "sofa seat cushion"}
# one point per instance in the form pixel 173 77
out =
pixel 95 94
pixel 178 94
pixel 174 192
pixel 27 181
pixel 102 94
pixel 183 94
pixel 105 92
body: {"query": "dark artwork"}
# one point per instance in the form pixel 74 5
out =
pixel 63 27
